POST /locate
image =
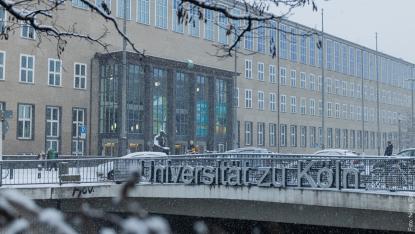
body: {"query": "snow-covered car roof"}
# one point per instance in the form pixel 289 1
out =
pixel 336 152
pixel 145 154
pixel 405 152
pixel 248 150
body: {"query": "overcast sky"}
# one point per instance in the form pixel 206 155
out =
pixel 358 20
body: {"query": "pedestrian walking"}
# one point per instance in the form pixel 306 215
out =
pixel 389 149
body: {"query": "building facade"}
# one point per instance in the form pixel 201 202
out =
pixel 278 100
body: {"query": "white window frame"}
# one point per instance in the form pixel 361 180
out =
pixel 55 73
pixel 53 122
pixel 293 78
pixel 3 66
pixel 248 69
pixel 80 76
pixel 272 102
pixel 272 74
pixel 303 80
pixel 159 19
pixel 293 104
pixel 283 103
pixel 141 11
pixel 248 132
pixel 261 72
pixel 119 15
pixel 283 76
pixel 248 98
pixel 261 134
pixel 23 119
pixel 27 69
pixel 303 106
pixel 261 100
pixel 76 141
pixel 312 107
pixel 30 31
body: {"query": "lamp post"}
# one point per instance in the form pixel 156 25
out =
pixel 122 139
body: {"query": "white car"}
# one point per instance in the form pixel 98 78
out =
pixel 410 152
pixel 248 150
pixel 106 170
pixel 336 152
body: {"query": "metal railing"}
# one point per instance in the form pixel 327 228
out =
pixel 267 170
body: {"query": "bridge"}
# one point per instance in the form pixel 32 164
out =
pixel 361 192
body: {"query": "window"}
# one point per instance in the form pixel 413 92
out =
pixel 182 91
pixel 79 4
pixel 248 98
pixel 293 104
pixel 248 133
pixel 80 76
pixel 344 111
pixel 345 59
pixel 202 107
pixel 236 97
pixel 312 107
pixel 329 86
pixel 337 87
pixel 303 106
pixel 319 83
pixel 352 62
pixel 2 20
pixel 329 109
pixel 351 90
pixel 52 130
pixel 248 69
pixel 320 108
pixel 222 29
pixel 78 120
pixel 303 136
pixel 194 24
pixel 283 135
pixel 283 49
pixel 27 68
pixel 312 51
pixel 312 82
pixel 261 134
pixel 345 138
pixel 344 88
pixel 329 57
pixel 248 40
pixel 352 139
pixel 293 40
pixel 283 104
pixel 337 110
pixel 261 37
pixel 337 57
pixel 2 65
pixel 272 136
pixel 159 99
pixel 283 76
pixel 161 13
pixel 302 80
pixel 177 25
pixel 121 9
pixel 261 71
pixel 54 74
pixel 272 101
pixel 27 31
pixel 272 75
pixel 272 39
pixel 313 142
pixel 337 138
pixel 329 138
pixel 260 100
pixel 351 112
pixel 293 135
pixel 99 4
pixel 209 18
pixel 25 121
pixel 303 49
pixel 293 78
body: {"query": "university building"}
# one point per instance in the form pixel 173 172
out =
pixel 277 100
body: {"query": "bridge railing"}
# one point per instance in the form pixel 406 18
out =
pixel 265 170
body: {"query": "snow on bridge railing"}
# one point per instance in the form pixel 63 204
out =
pixel 265 170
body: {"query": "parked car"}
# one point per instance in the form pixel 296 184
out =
pixel 410 152
pixel 336 152
pixel 106 170
pixel 248 150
